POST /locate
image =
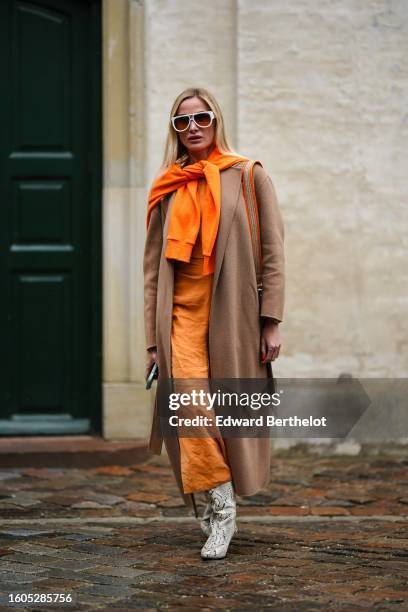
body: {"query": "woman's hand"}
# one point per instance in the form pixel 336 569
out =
pixel 151 358
pixel 270 340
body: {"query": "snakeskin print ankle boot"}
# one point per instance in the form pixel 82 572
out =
pixel 205 519
pixel 222 521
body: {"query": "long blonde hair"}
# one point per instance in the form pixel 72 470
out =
pixel 174 151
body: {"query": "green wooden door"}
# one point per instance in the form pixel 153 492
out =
pixel 50 216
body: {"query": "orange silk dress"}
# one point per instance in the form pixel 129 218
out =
pixel 203 460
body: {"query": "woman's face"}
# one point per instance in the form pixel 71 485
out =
pixel 196 140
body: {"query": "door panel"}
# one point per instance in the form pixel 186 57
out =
pixel 50 207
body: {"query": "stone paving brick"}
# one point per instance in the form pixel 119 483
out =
pixel 59 584
pixel 288 510
pixel 107 590
pixel 17 578
pixel 99 549
pixel 329 510
pixel 121 572
pixel 25 567
pixel 75 565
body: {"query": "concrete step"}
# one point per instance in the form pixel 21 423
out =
pixel 70 451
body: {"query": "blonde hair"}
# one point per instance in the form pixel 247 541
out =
pixel 174 151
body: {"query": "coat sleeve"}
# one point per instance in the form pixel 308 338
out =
pixel 272 239
pixel 151 263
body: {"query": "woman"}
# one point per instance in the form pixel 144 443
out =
pixel 202 314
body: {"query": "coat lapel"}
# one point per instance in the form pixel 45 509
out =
pixel 230 189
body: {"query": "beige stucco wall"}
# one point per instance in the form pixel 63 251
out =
pixel 126 404
pixel 327 85
pixel 318 92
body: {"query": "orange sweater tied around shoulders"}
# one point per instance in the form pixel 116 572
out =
pixel 189 209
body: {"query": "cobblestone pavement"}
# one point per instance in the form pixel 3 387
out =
pixel 327 533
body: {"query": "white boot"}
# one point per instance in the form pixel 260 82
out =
pixel 222 521
pixel 205 519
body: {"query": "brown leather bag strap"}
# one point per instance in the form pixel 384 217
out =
pixel 251 204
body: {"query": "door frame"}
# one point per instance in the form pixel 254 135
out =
pixel 95 172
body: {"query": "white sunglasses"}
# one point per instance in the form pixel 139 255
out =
pixel 203 119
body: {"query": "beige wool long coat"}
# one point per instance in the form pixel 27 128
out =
pixel 235 318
